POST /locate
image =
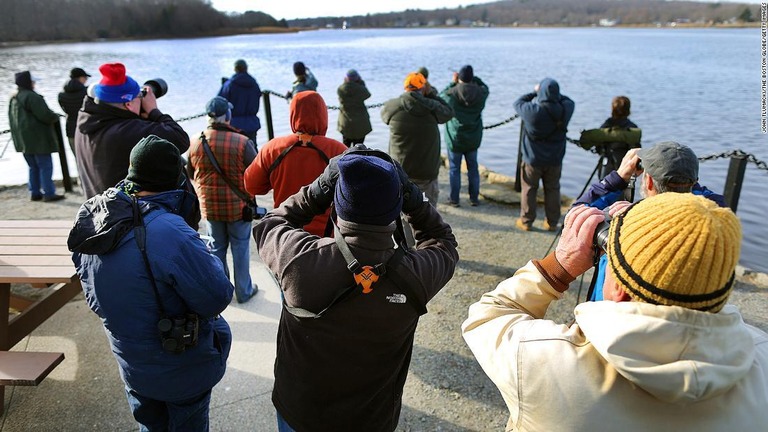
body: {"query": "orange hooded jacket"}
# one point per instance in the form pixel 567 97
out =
pixel 303 164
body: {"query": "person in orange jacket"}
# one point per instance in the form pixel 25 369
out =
pixel 287 163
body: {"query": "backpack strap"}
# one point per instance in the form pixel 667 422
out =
pixel 208 152
pixel 304 140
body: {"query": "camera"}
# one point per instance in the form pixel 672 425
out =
pixel 253 212
pixel 600 239
pixel 178 334
pixel 158 85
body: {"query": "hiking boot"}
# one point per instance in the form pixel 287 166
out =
pixel 36 198
pixel 52 198
pixel 453 203
pixel 253 294
pixel 474 203
pixel 522 225
pixel 549 227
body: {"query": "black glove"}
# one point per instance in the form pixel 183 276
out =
pixel 413 197
pixel 321 190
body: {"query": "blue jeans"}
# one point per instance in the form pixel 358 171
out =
pixel 40 174
pixel 236 234
pixel 473 175
pixel 282 425
pixel 160 416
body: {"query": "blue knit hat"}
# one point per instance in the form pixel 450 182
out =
pixel 353 75
pixel 368 190
pixel 115 86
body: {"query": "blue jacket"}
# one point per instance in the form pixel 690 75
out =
pixel 611 189
pixel 244 93
pixel 117 288
pixel 544 140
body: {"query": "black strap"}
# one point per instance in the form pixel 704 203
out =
pixel 140 234
pixel 288 149
pixel 207 148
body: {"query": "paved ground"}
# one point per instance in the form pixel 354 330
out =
pixel 446 390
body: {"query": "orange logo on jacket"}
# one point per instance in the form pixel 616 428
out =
pixel 366 278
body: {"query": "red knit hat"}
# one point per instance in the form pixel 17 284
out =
pixel 115 86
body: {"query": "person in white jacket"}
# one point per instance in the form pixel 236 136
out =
pixel 662 352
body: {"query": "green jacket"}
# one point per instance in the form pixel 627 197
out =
pixel 354 121
pixel 414 139
pixel 32 123
pixel 464 132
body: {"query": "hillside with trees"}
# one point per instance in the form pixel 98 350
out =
pixel 553 13
pixel 49 20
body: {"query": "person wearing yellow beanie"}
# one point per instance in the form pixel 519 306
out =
pixel 662 352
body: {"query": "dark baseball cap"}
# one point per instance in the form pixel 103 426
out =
pixel 669 159
pixel 217 107
pixel 78 72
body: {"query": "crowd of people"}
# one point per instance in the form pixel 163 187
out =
pixel 358 247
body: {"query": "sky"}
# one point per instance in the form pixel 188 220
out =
pixel 316 8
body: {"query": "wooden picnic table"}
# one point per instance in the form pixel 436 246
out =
pixel 32 252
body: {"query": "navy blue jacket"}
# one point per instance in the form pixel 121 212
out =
pixel 117 288
pixel 543 140
pixel 244 93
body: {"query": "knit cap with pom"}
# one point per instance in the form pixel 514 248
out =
pixel 115 86
pixel 676 249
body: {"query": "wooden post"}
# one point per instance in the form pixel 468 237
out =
pixel 518 184
pixel 268 113
pixel 734 180
pixel 63 157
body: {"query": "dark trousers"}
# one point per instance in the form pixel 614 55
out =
pixel 159 416
pixel 550 177
pixel 349 142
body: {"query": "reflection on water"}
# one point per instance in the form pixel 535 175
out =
pixel 697 86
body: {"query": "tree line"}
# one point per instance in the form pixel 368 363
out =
pixel 553 13
pixel 51 20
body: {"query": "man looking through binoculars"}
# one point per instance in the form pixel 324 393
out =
pixel 116 114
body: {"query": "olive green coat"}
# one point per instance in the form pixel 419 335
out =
pixel 32 123
pixel 354 121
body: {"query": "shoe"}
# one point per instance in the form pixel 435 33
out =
pixel 474 203
pixel 253 294
pixel 36 198
pixel 520 224
pixel 453 203
pixel 549 227
pixel 52 198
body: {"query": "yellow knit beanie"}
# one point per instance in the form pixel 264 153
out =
pixel 676 249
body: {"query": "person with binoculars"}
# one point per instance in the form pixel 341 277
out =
pixel 351 303
pixel 116 114
pixel 157 289
pixel 663 352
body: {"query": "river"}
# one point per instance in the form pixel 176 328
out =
pixel 700 87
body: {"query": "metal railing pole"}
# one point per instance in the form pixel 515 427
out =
pixel 518 184
pixel 63 157
pixel 268 112
pixel 734 180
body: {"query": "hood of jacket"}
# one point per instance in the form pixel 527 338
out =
pixel 99 116
pixel 105 219
pixel 549 91
pixel 309 113
pixel 468 93
pixel 415 104
pixel 243 79
pixel 74 86
pixel 677 355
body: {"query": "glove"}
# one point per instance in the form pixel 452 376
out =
pixel 413 197
pixel 322 189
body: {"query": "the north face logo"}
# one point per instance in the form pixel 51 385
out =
pixel 396 298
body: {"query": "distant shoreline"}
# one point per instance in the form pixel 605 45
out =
pixel 277 30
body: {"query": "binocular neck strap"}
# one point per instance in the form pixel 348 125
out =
pixel 140 234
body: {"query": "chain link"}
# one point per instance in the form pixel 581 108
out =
pixel 5 132
pixel 737 153
pixel 183 119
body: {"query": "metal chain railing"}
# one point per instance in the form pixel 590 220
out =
pixel 509 120
pixel 737 153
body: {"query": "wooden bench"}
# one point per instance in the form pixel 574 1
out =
pixel 27 368
pixel 32 252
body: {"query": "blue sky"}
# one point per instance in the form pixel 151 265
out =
pixel 314 8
